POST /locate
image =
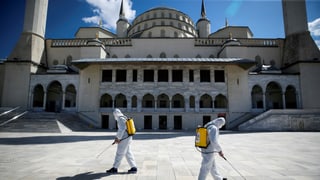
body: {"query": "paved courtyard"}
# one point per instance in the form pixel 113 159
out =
pixel 159 155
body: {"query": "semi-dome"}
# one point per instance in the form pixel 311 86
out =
pixel 162 22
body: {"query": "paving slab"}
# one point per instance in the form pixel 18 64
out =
pixel 160 155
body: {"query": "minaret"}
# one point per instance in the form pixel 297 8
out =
pixel 301 54
pixel 31 44
pixel 299 45
pixel 122 23
pixel 27 57
pixel 203 24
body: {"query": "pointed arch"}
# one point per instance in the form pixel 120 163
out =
pixel 290 97
pixel 38 96
pixel 70 96
pixel 205 101
pixel 120 101
pixel 148 101
pixel 274 96
pixel 177 101
pixel 54 97
pixel 163 101
pixel 106 101
pixel 220 101
pixel 257 97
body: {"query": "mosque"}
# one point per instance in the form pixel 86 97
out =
pixel 168 72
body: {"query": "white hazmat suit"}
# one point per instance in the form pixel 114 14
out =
pixel 208 162
pixel 123 148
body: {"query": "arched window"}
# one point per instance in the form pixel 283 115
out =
pixel 38 95
pixel 205 101
pixel 106 101
pixel 70 96
pixel 257 97
pixel 114 56
pixel 127 56
pixel 148 101
pixel 149 56
pixel 120 101
pixel 177 101
pixel 163 101
pixel 220 101
pixel 134 102
pixel 176 56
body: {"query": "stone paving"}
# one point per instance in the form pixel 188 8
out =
pixel 160 156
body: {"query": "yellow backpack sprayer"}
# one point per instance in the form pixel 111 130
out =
pixel 202 140
pixel 130 127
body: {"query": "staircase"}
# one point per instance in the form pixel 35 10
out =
pixel 233 125
pixel 20 120
pixel 284 120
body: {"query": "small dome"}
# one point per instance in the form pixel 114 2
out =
pixel 162 22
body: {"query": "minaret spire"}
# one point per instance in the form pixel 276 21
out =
pixel 121 14
pixel 203 10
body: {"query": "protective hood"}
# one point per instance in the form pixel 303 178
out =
pixel 219 122
pixel 117 114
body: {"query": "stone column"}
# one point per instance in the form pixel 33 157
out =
pixel 264 101
pixel 63 99
pixel 44 100
pixel 284 100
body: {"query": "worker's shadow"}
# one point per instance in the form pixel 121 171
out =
pixel 87 176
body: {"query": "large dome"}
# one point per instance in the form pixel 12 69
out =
pixel 162 22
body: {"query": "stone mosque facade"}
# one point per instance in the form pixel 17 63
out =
pixel 168 72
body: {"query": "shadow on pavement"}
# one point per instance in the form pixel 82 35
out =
pixel 54 139
pixel 85 176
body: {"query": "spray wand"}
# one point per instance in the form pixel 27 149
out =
pixel 110 146
pixel 233 167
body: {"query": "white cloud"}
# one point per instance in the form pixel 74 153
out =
pixel 108 12
pixel 318 43
pixel 314 27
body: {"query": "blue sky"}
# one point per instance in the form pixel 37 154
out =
pixel 264 17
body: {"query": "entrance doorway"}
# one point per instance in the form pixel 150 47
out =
pixel 162 122
pixel 147 122
pixel 105 121
pixel 54 97
pixel 177 122
pixel 206 119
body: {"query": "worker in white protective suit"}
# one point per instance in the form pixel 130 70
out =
pixel 208 162
pixel 123 140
